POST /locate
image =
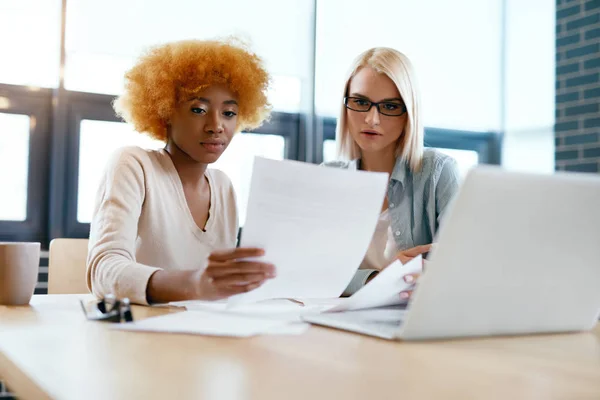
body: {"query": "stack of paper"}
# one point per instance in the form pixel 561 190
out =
pixel 278 316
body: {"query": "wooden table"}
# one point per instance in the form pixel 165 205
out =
pixel 49 350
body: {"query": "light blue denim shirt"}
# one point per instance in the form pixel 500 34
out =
pixel 416 201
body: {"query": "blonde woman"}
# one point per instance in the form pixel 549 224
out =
pixel 165 226
pixel 380 128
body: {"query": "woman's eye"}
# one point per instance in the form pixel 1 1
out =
pixel 391 106
pixel 230 114
pixel 361 102
pixel 198 110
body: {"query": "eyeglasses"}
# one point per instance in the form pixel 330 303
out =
pixel 109 309
pixel 390 108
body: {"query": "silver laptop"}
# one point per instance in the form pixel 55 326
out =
pixel 517 254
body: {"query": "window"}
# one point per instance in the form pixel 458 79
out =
pixel 24 161
pixel 238 160
pixel 530 86
pixel 454 45
pixel 486 80
pixel 466 159
pixel 98 140
pixel 31 41
pixel 530 64
pixel 329 150
pixel 94 50
pixel 14 160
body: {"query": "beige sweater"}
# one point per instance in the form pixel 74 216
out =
pixel 142 223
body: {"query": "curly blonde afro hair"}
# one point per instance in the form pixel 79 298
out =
pixel 170 73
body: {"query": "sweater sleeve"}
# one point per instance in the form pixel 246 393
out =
pixel 111 263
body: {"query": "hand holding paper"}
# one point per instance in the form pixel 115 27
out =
pixel 384 289
pixel 315 225
pixel 406 255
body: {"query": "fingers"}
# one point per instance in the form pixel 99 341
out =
pixel 233 254
pixel 232 290
pixel 238 280
pixel 405 295
pixel 415 251
pixel 217 270
pixel 403 259
pixel 227 275
pixel 406 255
pixel 411 278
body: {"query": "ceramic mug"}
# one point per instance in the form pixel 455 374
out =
pixel 19 266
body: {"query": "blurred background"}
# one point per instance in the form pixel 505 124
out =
pixel 496 77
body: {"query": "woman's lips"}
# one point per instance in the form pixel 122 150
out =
pixel 370 134
pixel 213 147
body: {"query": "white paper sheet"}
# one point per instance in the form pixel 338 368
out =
pixel 281 309
pixel 384 289
pixel 293 329
pixel 213 324
pixel 261 307
pixel 315 224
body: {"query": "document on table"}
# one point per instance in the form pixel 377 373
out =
pixel 213 324
pixel 384 289
pixel 266 307
pixel 315 224
pixel 280 309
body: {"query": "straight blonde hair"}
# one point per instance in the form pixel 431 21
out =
pixel 400 70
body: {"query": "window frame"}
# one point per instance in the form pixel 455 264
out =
pixel 35 103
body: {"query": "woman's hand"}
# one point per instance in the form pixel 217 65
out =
pixel 406 255
pixel 411 279
pixel 228 273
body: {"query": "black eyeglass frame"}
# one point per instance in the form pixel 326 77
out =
pixel 372 103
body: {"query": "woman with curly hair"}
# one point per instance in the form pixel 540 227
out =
pixel 164 225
